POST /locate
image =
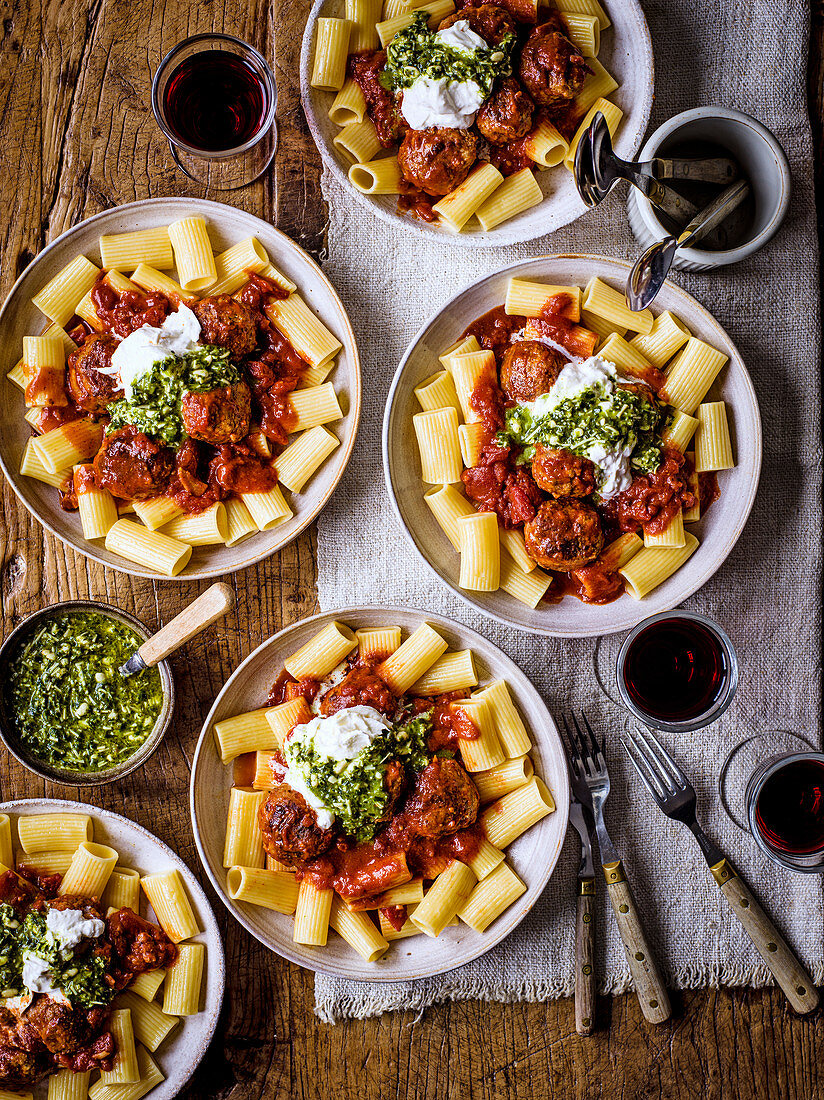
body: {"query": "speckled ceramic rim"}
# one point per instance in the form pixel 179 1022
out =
pixel 546 736
pixel 719 704
pixel 10 647
pixel 706 258
pixel 179 206
pixel 215 958
pixel 627 142
pixel 619 270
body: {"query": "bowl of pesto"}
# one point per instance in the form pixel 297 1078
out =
pixel 66 712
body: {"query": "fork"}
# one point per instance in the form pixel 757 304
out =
pixel 675 795
pixel 590 782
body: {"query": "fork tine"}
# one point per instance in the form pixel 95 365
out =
pixel 650 758
pixel 593 740
pixel 583 750
pixel 665 762
pixel 574 755
pixel 641 765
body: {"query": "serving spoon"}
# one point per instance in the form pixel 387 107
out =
pixel 598 169
pixel 212 605
pixel 651 269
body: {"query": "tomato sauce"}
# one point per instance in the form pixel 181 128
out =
pixel 259 291
pixel 124 312
pixel 652 500
pixel 55 415
pixel 449 725
pixel 273 374
pixel 286 687
pixel 413 201
pixel 495 329
pixel 365 69
pixel 396 915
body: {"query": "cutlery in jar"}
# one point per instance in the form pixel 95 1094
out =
pixel 589 767
pixel 675 796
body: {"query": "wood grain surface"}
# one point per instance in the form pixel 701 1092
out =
pixel 76 136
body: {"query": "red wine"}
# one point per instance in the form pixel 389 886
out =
pixel 215 101
pixel 789 812
pixel 675 670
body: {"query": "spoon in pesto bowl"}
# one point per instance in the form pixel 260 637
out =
pixel 212 605
pixel 86 694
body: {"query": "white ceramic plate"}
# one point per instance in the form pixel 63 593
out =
pixel 533 855
pixel 179 1055
pixel 626 52
pixel 227 225
pixel 717 532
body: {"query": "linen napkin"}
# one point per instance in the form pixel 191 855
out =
pixel 749 55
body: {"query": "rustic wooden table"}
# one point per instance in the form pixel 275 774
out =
pixel 77 136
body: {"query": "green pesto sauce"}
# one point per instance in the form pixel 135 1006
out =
pixel 415 52
pixel 70 705
pixel 354 790
pixel 82 979
pixel 157 395
pixel 594 417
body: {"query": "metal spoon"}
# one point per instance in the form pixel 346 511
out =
pixel 651 269
pixel 598 169
pixel 206 609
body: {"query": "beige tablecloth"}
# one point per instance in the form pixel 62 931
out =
pixel 749 55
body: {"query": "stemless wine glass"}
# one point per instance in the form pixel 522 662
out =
pixel 677 671
pixel 784 801
pixel 214 97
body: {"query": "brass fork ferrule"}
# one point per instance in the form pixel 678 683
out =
pixel 614 872
pixel 586 887
pixel 722 872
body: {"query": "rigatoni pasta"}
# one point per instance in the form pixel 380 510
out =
pixel 460 183
pixel 200 391
pixel 550 444
pixel 376 731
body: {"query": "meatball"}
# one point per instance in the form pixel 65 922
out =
pixel 530 368
pixel 227 323
pixel 444 799
pixel 218 416
pixel 492 23
pixel 506 115
pixel 360 687
pixel 438 160
pixel 564 535
pixel 289 827
pixel 552 69
pixel 20 1068
pixel 132 466
pixel 562 473
pixel 90 388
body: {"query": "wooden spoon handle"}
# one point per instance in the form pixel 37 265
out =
pixel 788 972
pixel 207 608
pixel 649 985
pixel 585 958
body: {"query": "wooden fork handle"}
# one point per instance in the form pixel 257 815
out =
pixel 649 985
pixel 788 972
pixel 585 958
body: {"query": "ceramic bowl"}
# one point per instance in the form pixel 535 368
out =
pixel 533 855
pixel 8 735
pixel 626 52
pixel 718 530
pixel 179 1055
pixel 762 160
pixel 227 225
